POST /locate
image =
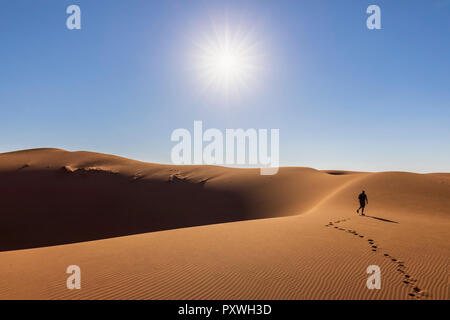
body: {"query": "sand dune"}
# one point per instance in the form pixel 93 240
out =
pixel 149 231
pixel 54 197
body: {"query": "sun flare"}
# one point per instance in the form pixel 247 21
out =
pixel 228 61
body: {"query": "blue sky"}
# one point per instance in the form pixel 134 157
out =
pixel 343 96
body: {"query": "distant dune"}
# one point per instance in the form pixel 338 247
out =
pixel 151 231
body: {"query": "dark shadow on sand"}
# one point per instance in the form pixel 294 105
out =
pixel 382 219
pixel 40 208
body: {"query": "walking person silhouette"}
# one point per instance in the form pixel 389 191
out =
pixel 362 202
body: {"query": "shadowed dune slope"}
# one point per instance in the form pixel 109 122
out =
pixel 51 196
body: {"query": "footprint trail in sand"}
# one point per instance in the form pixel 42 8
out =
pixel 407 279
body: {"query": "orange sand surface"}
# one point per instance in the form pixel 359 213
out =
pixel 148 231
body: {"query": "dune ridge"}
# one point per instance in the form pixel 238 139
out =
pixel 150 231
pixel 46 189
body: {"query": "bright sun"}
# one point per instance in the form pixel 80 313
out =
pixel 228 61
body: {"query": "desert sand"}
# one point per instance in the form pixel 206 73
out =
pixel 149 231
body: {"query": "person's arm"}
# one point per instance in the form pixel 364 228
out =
pixel 367 199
